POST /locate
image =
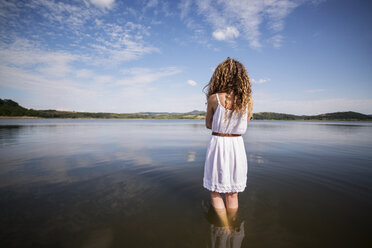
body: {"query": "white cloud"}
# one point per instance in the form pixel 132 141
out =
pixel 84 30
pixel 46 93
pixel 184 6
pixel 277 11
pixel 103 4
pixel 84 73
pixel 317 2
pixel 276 40
pixel 269 103
pixel 81 90
pixel 107 55
pixel 228 33
pixel 314 90
pixel 329 105
pixel 22 53
pixel 151 4
pixel 245 16
pixel 157 7
pixel 191 82
pixel 174 103
pixel 120 43
pixel 66 15
pixel 260 81
pixel 141 76
pixel 53 82
pixel 46 75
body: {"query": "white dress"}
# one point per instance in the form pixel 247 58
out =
pixel 225 168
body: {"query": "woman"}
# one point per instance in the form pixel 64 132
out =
pixel 229 111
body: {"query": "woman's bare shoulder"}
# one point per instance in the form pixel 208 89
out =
pixel 212 98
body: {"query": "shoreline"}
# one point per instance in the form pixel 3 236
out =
pixel 88 118
pixel 21 117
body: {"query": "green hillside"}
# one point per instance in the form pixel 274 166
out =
pixel 275 116
pixel 342 116
pixel 337 116
pixel 10 108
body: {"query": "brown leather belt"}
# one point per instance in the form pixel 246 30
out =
pixel 226 134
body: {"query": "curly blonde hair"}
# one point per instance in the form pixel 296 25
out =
pixel 230 76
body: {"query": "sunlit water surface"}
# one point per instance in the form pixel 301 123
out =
pixel 138 183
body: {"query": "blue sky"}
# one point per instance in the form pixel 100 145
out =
pixel 303 56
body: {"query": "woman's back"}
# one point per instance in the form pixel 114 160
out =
pixel 237 124
pixel 228 114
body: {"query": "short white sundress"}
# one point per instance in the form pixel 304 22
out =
pixel 225 168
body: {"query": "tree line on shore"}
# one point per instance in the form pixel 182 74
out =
pixel 10 108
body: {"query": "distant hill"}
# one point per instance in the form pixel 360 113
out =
pixel 337 116
pixel 275 116
pixel 10 108
pixel 170 113
pixel 155 113
pixel 197 112
pixel 342 116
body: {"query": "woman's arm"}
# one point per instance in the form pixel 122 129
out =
pixel 212 103
pixel 250 107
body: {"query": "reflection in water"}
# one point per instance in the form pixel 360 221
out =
pixel 226 228
pixel 102 238
pixel 136 183
pixel 191 156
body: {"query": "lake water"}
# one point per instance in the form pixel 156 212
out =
pixel 138 183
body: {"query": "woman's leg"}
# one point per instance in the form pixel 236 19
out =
pixel 217 201
pixel 231 200
pixel 219 207
pixel 231 207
